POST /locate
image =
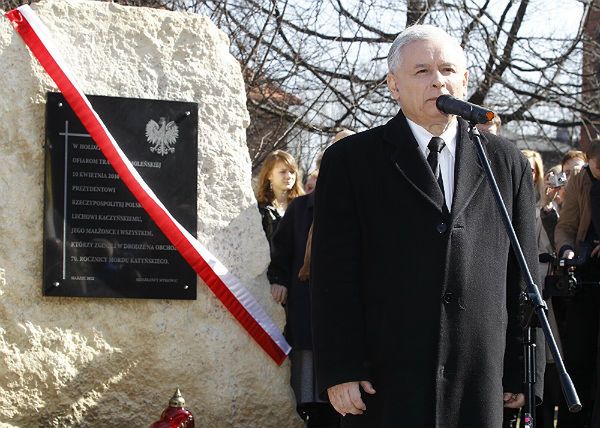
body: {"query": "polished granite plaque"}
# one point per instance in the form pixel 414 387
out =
pixel 98 240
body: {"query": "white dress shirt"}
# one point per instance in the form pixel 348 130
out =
pixel 446 157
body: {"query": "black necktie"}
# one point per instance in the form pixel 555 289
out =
pixel 435 146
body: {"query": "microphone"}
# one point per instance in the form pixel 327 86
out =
pixel 469 112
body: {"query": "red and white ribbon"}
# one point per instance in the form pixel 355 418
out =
pixel 223 284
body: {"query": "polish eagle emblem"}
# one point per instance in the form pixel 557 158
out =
pixel 162 136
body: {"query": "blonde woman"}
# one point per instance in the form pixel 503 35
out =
pixel 278 184
pixel 545 412
pixel 537 171
pixel 543 242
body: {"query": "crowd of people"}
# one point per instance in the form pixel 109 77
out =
pixel 400 288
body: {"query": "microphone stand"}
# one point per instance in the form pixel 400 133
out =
pixel 532 302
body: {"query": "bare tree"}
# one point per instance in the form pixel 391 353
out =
pixel 331 55
pixel 312 68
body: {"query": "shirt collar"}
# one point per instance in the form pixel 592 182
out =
pixel 423 136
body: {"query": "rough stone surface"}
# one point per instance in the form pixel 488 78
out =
pixel 109 362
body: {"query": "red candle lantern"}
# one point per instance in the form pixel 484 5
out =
pixel 175 416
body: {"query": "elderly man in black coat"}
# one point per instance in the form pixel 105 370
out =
pixel 414 287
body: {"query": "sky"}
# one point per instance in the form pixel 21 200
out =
pixel 561 15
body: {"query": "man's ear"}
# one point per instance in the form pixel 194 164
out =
pixel 391 83
pixel 466 81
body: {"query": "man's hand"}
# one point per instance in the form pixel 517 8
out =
pixel 513 401
pixel 279 293
pixel 596 250
pixel 345 397
pixel 550 196
pixel 568 254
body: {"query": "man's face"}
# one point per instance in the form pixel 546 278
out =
pixel 310 184
pixel 428 69
pixel 594 165
pixel 572 166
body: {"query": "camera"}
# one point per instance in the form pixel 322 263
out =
pixel 557 180
pixel 567 276
pixel 561 281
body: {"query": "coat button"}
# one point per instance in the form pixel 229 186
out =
pixel 441 228
pixel 447 297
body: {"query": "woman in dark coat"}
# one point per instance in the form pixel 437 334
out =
pixel 278 184
pixel 287 257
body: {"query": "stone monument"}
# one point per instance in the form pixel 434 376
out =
pixel 89 362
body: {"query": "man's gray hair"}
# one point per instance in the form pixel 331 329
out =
pixel 416 33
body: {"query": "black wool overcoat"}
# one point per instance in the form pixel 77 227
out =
pixel 422 303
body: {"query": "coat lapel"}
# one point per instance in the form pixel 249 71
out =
pixel 408 159
pixel 468 173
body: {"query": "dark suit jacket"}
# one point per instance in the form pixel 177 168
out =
pixel 422 303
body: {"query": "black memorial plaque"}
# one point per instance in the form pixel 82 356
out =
pixel 98 240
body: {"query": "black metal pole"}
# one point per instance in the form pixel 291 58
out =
pixel 533 294
pixel 529 351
